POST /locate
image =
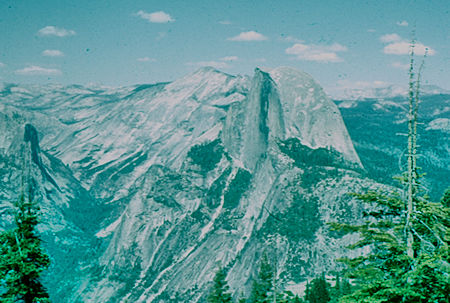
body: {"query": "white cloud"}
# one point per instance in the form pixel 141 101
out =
pixel 55 31
pixel 2 64
pixel 229 58
pixel 248 36
pixel 52 53
pixel 155 17
pixel 371 30
pixel 34 70
pixel 292 39
pixel 396 45
pixel 336 47
pixel 319 53
pixel 402 23
pixel 390 38
pixel 146 59
pixel 225 22
pixel 216 64
pixel 400 65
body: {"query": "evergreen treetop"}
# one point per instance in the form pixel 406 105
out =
pixel 22 257
pixel 262 288
pixel 318 291
pixel 219 292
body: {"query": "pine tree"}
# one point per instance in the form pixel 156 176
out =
pixel 22 257
pixel 337 290
pixel 341 288
pixel 308 292
pixel 296 299
pixel 407 234
pixel 318 291
pixel 286 297
pixel 388 273
pixel 346 288
pixel 219 292
pixel 262 288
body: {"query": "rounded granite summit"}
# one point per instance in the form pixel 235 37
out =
pixel 309 114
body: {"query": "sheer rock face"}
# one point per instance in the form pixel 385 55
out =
pixel 310 115
pixel 286 103
pixel 173 178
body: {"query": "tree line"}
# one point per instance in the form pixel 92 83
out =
pixel 264 289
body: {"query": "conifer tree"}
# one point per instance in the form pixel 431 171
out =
pixel 340 289
pixel 286 297
pixel 296 299
pixel 219 292
pixel 337 287
pixel 407 234
pixel 318 291
pixel 22 258
pixel 346 288
pixel 262 288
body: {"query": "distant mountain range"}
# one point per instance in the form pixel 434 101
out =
pixel 386 92
pixel 146 189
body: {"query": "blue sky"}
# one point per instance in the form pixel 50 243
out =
pixel 340 43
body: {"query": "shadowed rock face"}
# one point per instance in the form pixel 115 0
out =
pixel 30 135
pixel 146 189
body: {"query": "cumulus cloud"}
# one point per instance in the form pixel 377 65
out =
pixel 35 70
pixel 403 48
pixel 396 45
pixel 229 58
pixel 402 23
pixel 400 65
pixel 52 53
pixel 216 64
pixel 55 31
pixel 390 38
pixel 319 53
pixel 156 17
pixel 248 36
pixel 146 59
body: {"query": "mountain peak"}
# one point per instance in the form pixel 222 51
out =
pixel 285 103
pixel 207 71
pixel 309 114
